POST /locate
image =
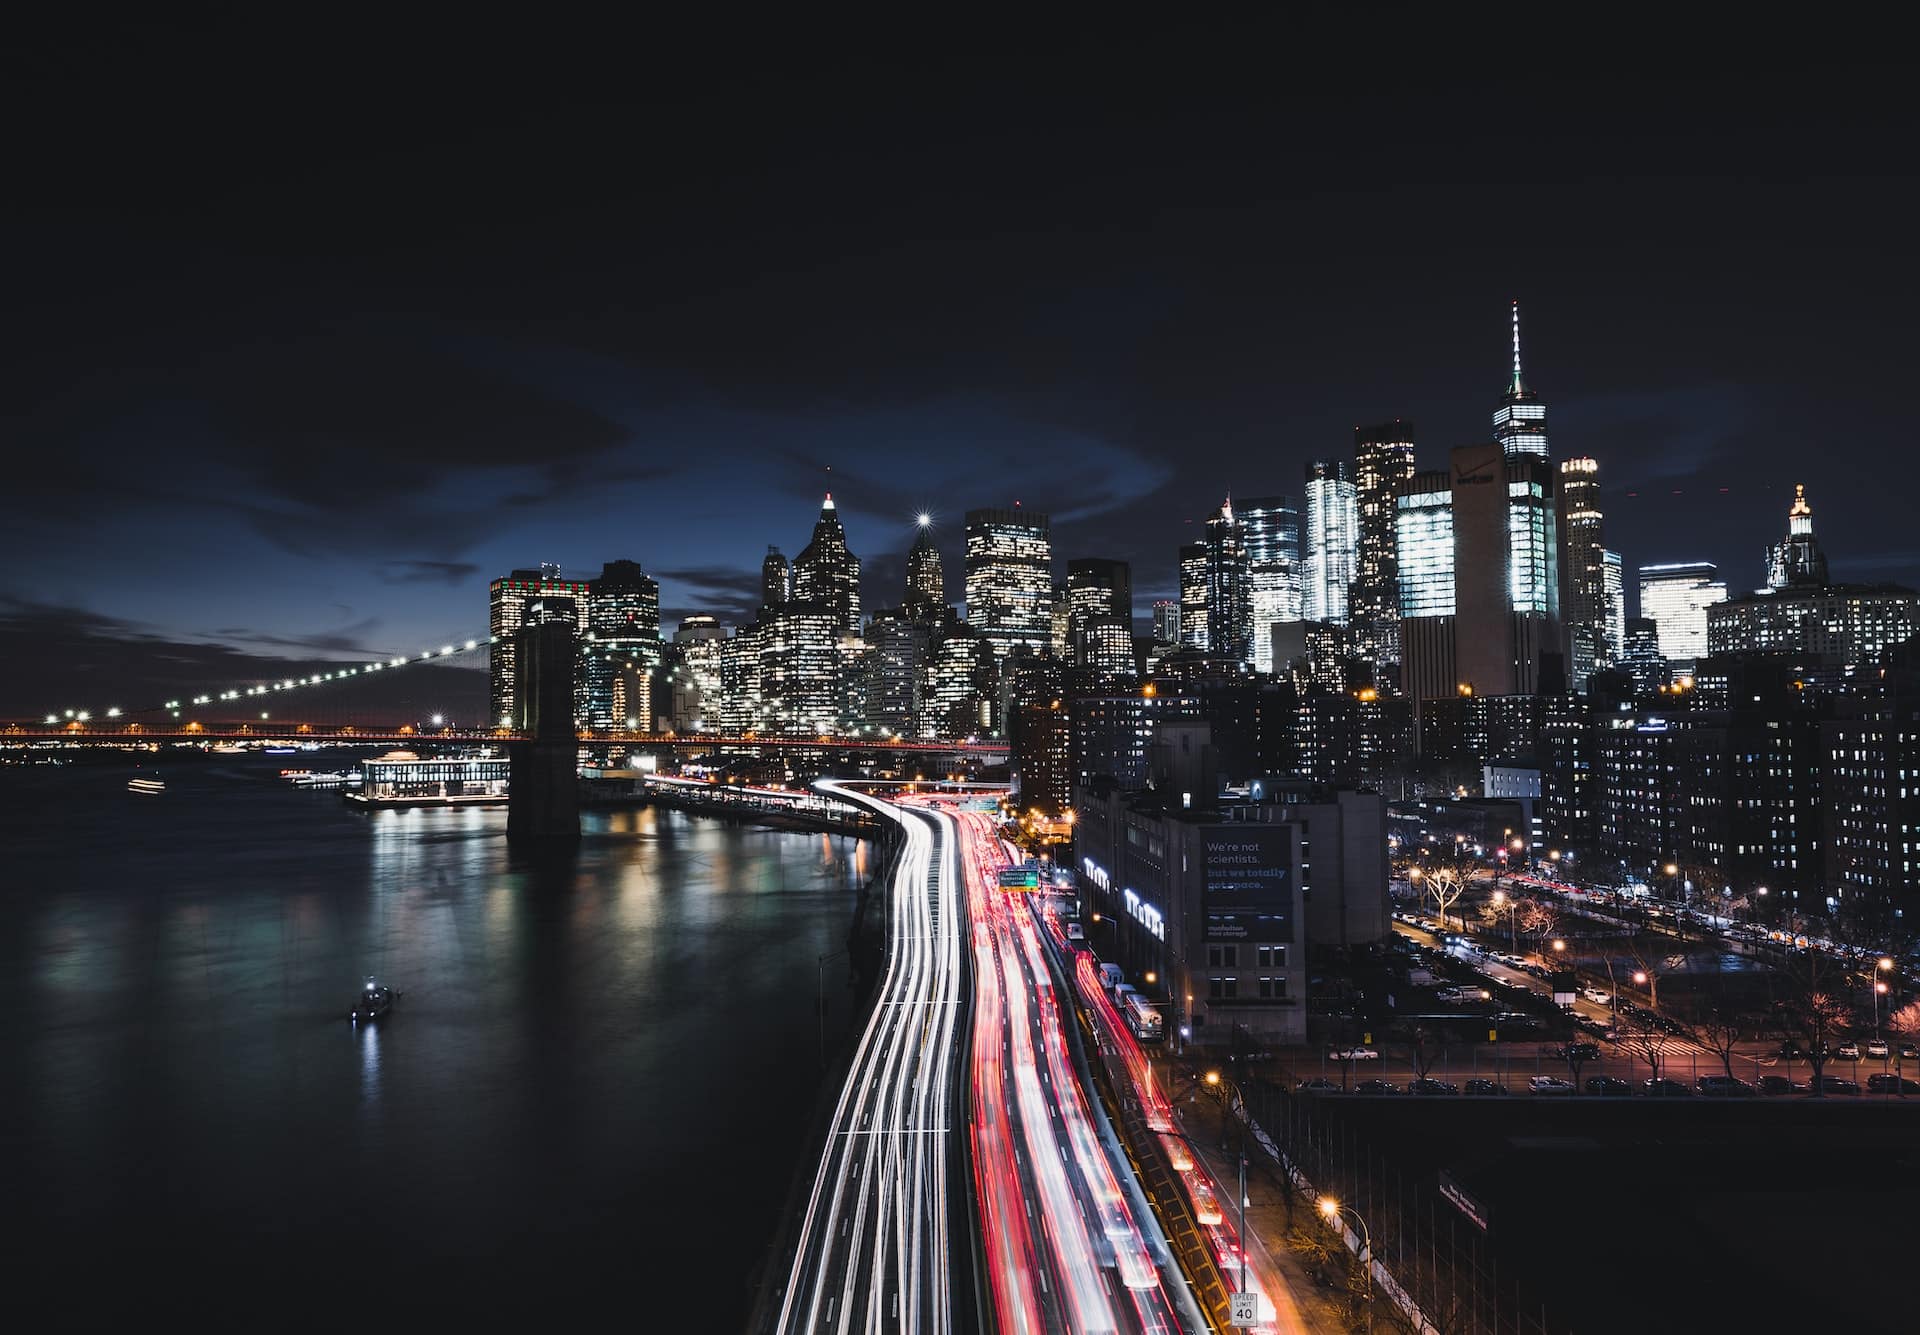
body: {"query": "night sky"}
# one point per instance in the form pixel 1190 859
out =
pixel 310 335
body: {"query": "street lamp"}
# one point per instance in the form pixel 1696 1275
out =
pixel 1879 990
pixel 1333 1209
pixel 1642 978
pixel 1215 1079
pixel 1502 897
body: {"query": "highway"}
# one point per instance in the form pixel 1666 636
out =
pixel 873 1249
pixel 1069 1248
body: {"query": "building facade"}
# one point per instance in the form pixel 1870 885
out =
pixel 1675 597
pixel 827 573
pixel 507 600
pixel 1583 570
pixel 1270 530
pixel 1229 596
pixel 1331 542
pixel 1383 467
pixel 1010 579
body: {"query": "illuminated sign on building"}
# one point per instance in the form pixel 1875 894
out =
pixel 1145 914
pixel 1096 873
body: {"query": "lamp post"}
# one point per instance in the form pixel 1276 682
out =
pixel 1333 1209
pixel 1215 1079
pixel 1879 988
pixel 1502 897
pixel 1651 981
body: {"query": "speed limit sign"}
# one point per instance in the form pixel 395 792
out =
pixel 1246 1309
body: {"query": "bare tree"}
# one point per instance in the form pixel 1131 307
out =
pixel 1444 886
pixel 1905 1022
pixel 1646 1041
pixel 1813 1011
pixel 1718 1029
pixel 1537 921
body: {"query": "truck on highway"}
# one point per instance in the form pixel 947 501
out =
pixel 1111 976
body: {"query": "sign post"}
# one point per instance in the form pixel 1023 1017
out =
pixel 1246 1309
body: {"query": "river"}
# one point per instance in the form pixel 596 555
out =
pixel 589 1104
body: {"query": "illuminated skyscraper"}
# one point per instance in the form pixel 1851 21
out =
pixel 1193 596
pixel 1616 587
pixel 1166 620
pixel 776 579
pixel 1423 543
pixel 1331 542
pixel 1382 467
pixel 1520 422
pixel 507 599
pixel 827 573
pixel 699 646
pixel 1010 579
pixel 1270 527
pixel 622 648
pixel 1583 568
pixel 1676 598
pixel 1229 601
pixel 1796 561
pixel 926 577
pixel 800 669
pixel 1097 587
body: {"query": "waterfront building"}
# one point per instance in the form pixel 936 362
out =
pixel 1583 570
pixel 695 679
pixel 1331 542
pixel 1383 466
pixel 1193 596
pixel 507 600
pixel 800 672
pixel 1009 562
pixel 926 575
pixel 622 649
pixel 1229 602
pixel 1520 422
pixel 741 709
pixel 1675 597
pixel 826 572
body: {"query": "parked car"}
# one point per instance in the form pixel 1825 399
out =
pixel 1877 1047
pixel 1664 1089
pixel 1580 1052
pixel 1847 1052
pixel 1724 1087
pixel 1597 995
pixel 1908 1052
pixel 1889 1083
pixel 1549 1084
pixel 1319 1084
pixel 1431 1087
pixel 1353 1055
pixel 1481 1085
pixel 1833 1084
pixel 1772 1085
pixel 1376 1087
pixel 1609 1085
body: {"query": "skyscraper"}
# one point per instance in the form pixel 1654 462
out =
pixel 622 648
pixel 1796 561
pixel 1193 595
pixel 1010 579
pixel 1583 570
pixel 1506 581
pixel 776 579
pixel 507 600
pixel 1331 541
pixel 1675 598
pixel 1382 467
pixel 1270 527
pixel 926 577
pixel 699 645
pixel 1166 620
pixel 1097 586
pixel 1520 422
pixel 1229 602
pixel 1423 539
pixel 1614 578
pixel 827 573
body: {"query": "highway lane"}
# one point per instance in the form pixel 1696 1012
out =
pixel 1067 1252
pixel 873 1253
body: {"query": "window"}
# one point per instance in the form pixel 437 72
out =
pixel 1230 956
pixel 1223 989
pixel 1273 989
pixel 1213 957
pixel 1271 957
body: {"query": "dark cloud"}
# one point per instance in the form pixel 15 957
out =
pixel 426 572
pixel 731 594
pixel 348 640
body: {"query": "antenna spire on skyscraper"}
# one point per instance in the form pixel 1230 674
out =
pixel 1518 387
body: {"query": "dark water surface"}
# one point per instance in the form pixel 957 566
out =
pixel 589 1104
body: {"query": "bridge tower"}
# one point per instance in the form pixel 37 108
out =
pixel 543 791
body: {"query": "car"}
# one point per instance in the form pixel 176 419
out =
pixel 1790 1048
pixel 1609 1085
pixel 1353 1055
pixel 1430 1086
pixel 1577 1052
pixel 1481 1085
pixel 1847 1052
pixel 1833 1084
pixel 1908 1052
pixel 1318 1084
pixel 1889 1083
pixel 1877 1048
pixel 1724 1087
pixel 1376 1087
pixel 1598 996
pixel 1549 1084
pixel 1773 1085
pixel 1664 1089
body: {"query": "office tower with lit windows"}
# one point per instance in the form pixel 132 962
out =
pixel 1229 601
pixel 958 695
pixel 926 576
pixel 1270 528
pixel 1796 561
pixel 827 573
pixel 1423 545
pixel 622 648
pixel 800 677
pixel 1104 646
pixel 1097 586
pixel 776 579
pixel 507 601
pixel 1675 597
pixel 740 710
pixel 1166 620
pixel 1062 640
pixel 1010 579
pixel 1382 468
pixel 1583 570
pixel 1330 543
pixel 1193 595
pixel 1506 583
pixel 1614 582
pixel 699 645
pixel 1520 422
pixel 1641 658
pixel 898 643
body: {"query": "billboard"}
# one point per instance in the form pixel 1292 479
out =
pixel 1247 881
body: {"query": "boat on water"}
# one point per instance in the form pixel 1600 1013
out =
pixel 149 787
pixel 374 1003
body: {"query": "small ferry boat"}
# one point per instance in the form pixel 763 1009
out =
pixel 148 786
pixel 374 1003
